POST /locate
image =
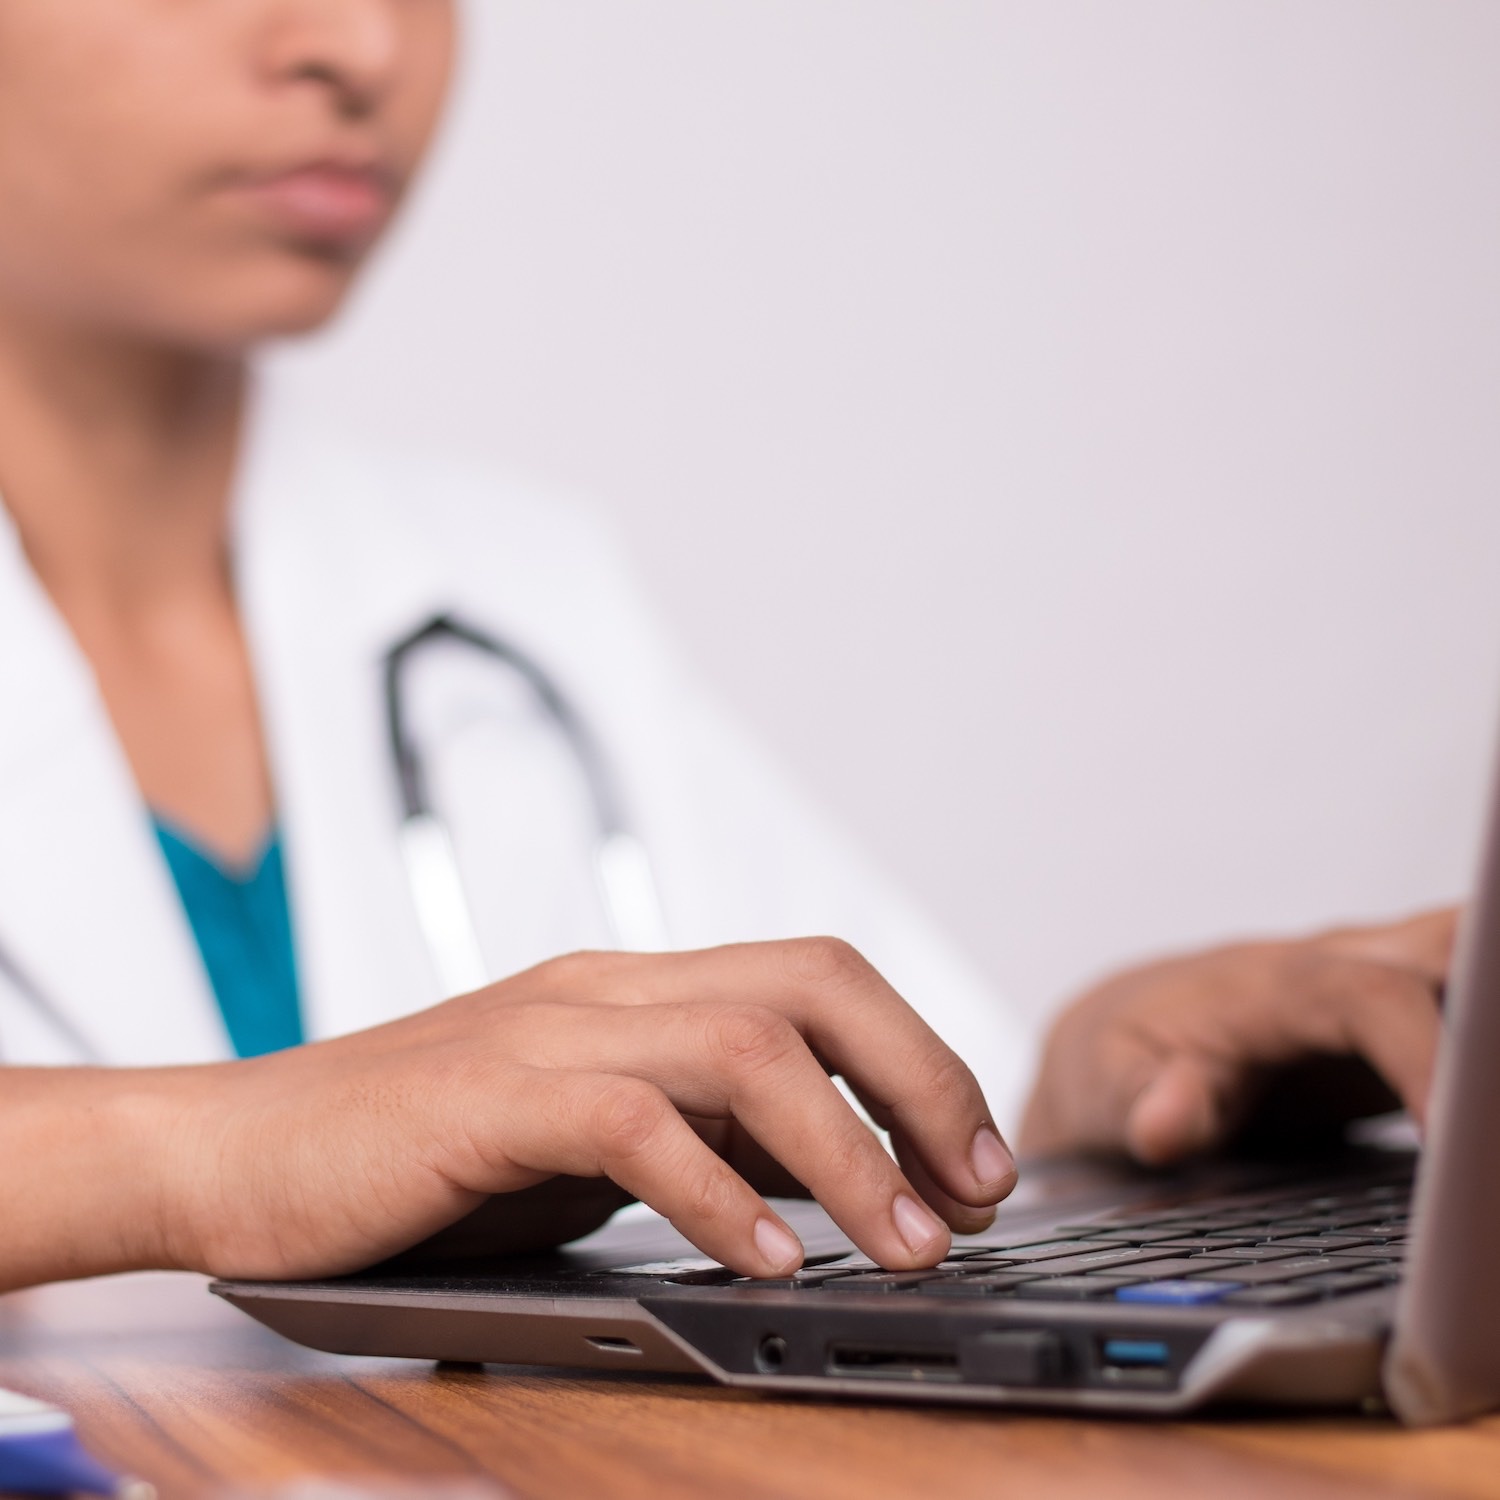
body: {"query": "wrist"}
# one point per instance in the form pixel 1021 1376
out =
pixel 171 1122
pixel 155 1123
pixel 89 1153
pixel 145 1144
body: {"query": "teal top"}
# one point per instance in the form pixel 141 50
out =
pixel 243 925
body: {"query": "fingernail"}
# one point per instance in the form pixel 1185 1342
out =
pixel 915 1224
pixel 991 1161
pixel 779 1247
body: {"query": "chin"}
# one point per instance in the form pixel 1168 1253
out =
pixel 297 296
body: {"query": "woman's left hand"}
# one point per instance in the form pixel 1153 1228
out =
pixel 1175 1059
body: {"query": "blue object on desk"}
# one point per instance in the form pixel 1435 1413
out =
pixel 41 1455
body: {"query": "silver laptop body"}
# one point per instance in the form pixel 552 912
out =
pixel 1385 1296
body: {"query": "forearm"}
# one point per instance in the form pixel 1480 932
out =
pixel 325 1158
pixel 86 1171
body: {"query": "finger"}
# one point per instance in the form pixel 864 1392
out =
pixel 959 1217
pixel 1388 1017
pixel 1186 1109
pixel 1332 1005
pixel 1093 1070
pixel 750 1062
pixel 753 1162
pixel 603 1125
pixel 1192 1100
pixel 855 1021
pixel 1423 944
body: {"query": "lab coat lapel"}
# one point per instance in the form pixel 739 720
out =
pixel 327 581
pixel 338 558
pixel 88 912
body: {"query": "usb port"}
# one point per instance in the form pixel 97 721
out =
pixel 1134 1354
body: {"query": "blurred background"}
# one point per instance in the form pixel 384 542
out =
pixel 1068 431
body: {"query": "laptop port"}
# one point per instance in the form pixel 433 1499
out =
pixel 770 1354
pixel 875 1362
pixel 1135 1361
pixel 1016 1356
pixel 610 1344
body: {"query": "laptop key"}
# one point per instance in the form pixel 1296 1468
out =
pixel 1045 1250
pixel 1257 1273
pixel 689 1270
pixel 1192 1292
pixel 1288 1294
pixel 1325 1242
pixel 1157 1270
pixel 1123 1237
pixel 1001 1285
pixel 802 1281
pixel 1129 1220
pixel 1341 1283
pixel 1103 1259
pixel 699 1271
pixel 1019 1239
pixel 1356 1218
pixel 1248 1252
pixel 879 1281
pixel 1198 1228
pixel 719 1276
pixel 1071 1288
pixel 1215 1244
pixel 1100 1227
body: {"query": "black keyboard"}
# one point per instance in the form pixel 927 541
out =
pixel 1263 1250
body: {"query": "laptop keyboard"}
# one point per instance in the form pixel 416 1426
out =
pixel 1260 1251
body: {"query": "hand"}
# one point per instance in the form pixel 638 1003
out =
pixel 1174 1059
pixel 333 1156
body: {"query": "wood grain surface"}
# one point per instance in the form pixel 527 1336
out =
pixel 169 1384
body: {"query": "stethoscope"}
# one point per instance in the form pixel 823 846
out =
pixel 622 870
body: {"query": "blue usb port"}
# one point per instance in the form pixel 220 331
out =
pixel 1135 1354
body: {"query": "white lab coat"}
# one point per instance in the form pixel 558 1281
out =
pixel 339 552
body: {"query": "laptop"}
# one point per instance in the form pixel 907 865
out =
pixel 1369 1280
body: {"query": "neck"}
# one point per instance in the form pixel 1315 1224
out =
pixel 116 459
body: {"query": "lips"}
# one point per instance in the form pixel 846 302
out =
pixel 329 204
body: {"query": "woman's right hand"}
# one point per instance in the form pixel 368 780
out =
pixel 337 1155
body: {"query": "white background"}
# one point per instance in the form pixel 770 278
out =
pixel 1068 431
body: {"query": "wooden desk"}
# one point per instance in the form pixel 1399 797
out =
pixel 168 1383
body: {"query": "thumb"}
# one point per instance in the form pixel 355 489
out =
pixel 1183 1111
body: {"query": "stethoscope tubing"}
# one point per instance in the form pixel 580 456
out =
pixel 623 875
